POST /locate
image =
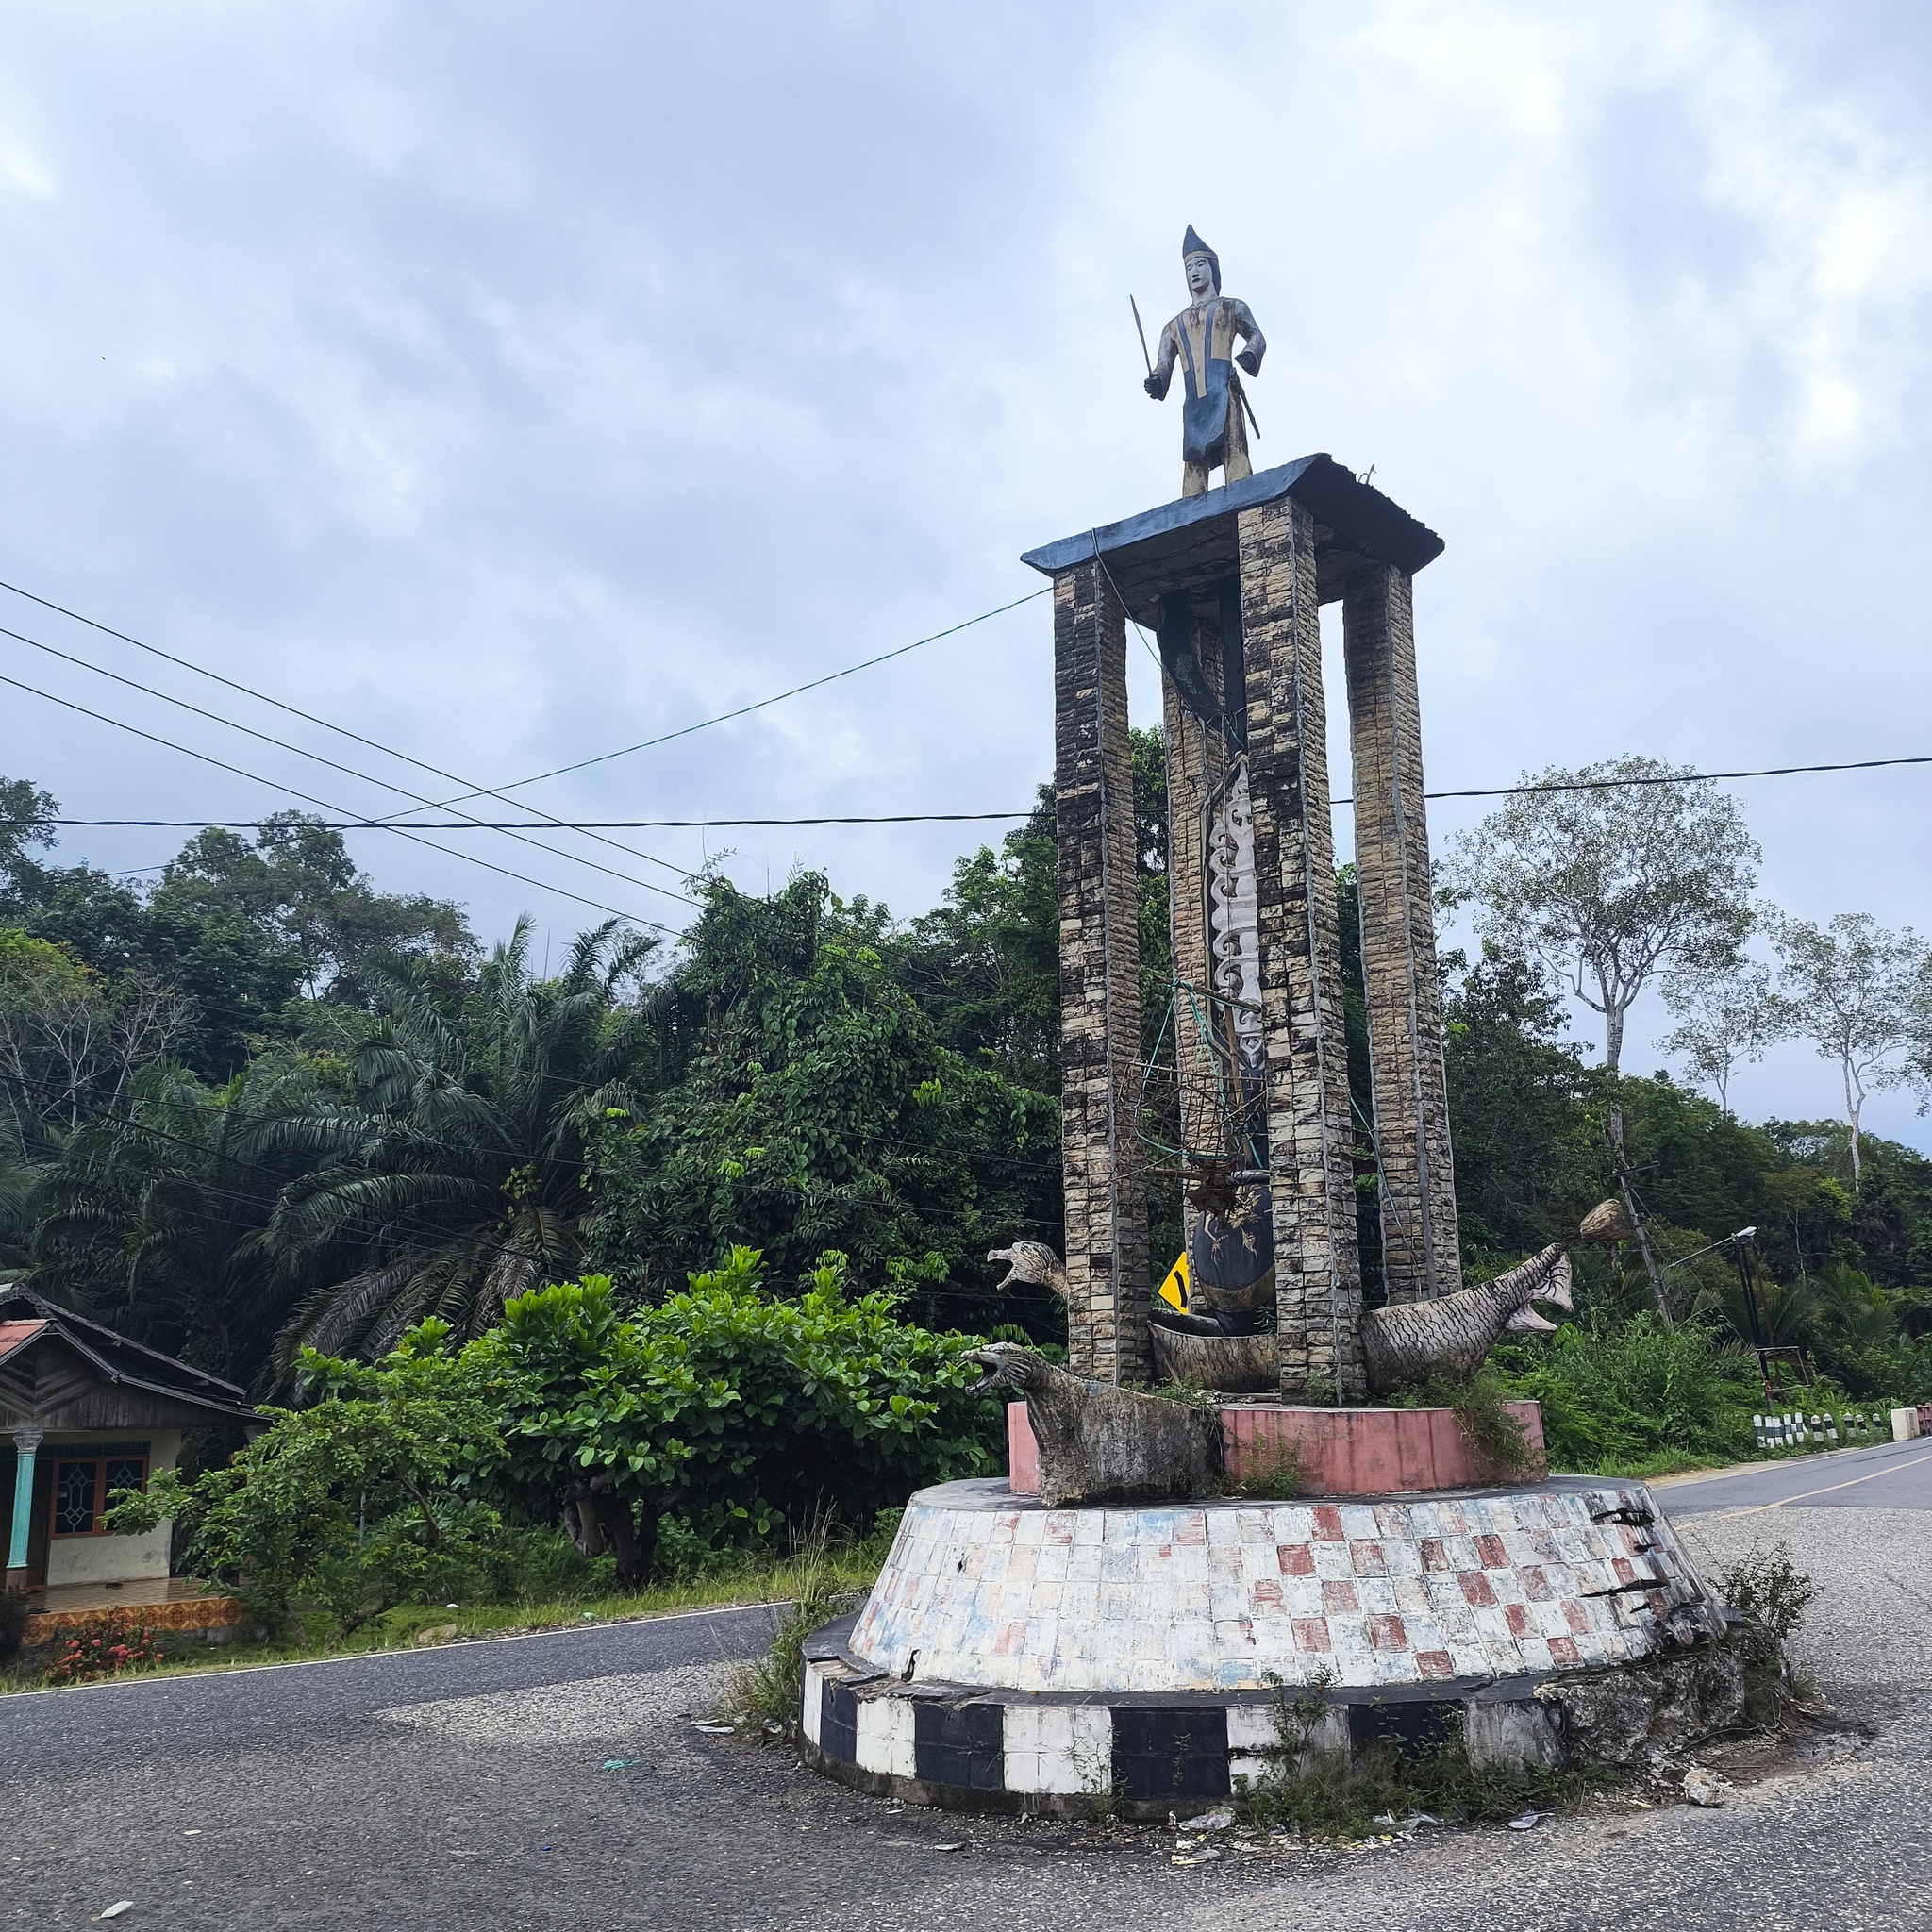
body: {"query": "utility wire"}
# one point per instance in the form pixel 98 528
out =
pixel 309 717
pixel 746 711
pixel 899 818
pixel 310 798
pixel 918 818
pixel 1669 778
pixel 316 758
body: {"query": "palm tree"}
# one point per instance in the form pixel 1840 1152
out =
pixel 461 1164
pixel 156 1218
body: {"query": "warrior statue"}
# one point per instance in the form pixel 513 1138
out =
pixel 1202 339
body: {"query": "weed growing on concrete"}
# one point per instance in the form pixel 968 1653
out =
pixel 769 1690
pixel 1490 1429
pixel 1206 1400
pixel 1095 1769
pixel 1276 1477
pixel 1321 1792
pixel 1765 1583
pixel 1331 1800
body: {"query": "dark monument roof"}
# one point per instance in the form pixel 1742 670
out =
pixel 1192 541
pixel 27 1320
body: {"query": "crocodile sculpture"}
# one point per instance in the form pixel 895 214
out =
pixel 1102 1445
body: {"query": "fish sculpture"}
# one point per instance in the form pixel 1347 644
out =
pixel 1454 1334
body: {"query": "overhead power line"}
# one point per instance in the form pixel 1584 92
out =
pixel 920 818
pixel 333 764
pixel 893 818
pixel 311 718
pixel 1672 779
pixel 746 711
pixel 310 798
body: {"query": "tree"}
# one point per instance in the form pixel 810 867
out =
pixel 804 1099
pixel 156 1218
pixel 298 884
pixel 1527 1163
pixel 1726 1018
pixel 24 810
pixel 460 1168
pixel 70 1042
pixel 1609 886
pixel 1862 996
pixel 1610 876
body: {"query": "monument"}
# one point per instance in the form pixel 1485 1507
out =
pixel 1112 1625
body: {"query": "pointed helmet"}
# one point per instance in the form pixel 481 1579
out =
pixel 1193 244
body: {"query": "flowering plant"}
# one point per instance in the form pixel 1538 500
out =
pixel 103 1646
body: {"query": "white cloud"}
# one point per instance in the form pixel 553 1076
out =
pixel 515 386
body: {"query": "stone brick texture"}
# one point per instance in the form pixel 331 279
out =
pixel 1420 1247
pixel 1316 1266
pixel 1106 1258
pixel 1196 767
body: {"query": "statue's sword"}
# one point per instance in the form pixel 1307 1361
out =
pixel 1141 333
pixel 1245 404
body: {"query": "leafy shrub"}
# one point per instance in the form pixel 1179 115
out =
pixel 1618 1395
pixel 1766 1584
pixel 104 1646
pixel 739 1414
pixel 725 1417
pixel 356 1503
pixel 1489 1428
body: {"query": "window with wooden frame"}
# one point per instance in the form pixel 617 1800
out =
pixel 86 1476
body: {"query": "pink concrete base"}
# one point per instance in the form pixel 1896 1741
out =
pixel 1338 1452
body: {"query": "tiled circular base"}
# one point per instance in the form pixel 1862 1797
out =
pixel 1136 1756
pixel 987 1588
pixel 1073 1659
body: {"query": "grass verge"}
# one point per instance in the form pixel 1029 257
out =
pixel 821 1572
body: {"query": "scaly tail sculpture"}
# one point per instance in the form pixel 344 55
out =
pixel 1454 1335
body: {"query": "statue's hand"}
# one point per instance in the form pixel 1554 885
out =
pixel 1250 359
pixel 1155 387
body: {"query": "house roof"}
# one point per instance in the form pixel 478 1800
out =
pixel 17 1335
pixel 29 1323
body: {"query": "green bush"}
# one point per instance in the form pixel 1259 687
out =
pixel 739 1414
pixel 356 1504
pixel 727 1417
pixel 1618 1395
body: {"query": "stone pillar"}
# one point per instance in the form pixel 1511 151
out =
pixel 1108 1287
pixel 1316 1266
pixel 1196 768
pixel 1422 1255
pixel 26 1441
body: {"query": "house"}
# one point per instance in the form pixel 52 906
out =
pixel 84 1413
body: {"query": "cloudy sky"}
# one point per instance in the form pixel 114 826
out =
pixel 510 385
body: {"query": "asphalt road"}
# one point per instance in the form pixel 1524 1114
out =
pixel 467 1786
pixel 1894 1476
